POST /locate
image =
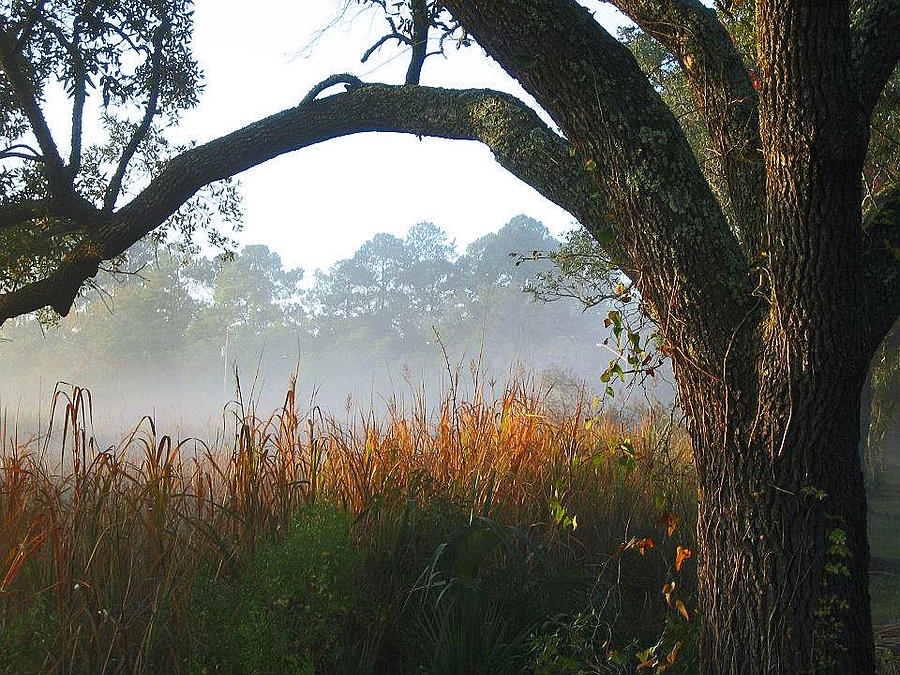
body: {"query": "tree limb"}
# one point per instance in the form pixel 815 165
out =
pixel 76 211
pixel 341 78
pixel 156 75
pixel 14 214
pixel 79 95
pixel 876 48
pixel 689 263
pixel 724 94
pixel 881 263
pixel 79 88
pixel 27 98
pixel 421 21
pixel 520 141
pixel 399 37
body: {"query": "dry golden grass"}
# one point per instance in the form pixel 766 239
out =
pixel 103 546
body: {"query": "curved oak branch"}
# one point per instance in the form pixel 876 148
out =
pixel 520 141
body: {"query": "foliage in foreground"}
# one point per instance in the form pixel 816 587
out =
pixel 494 536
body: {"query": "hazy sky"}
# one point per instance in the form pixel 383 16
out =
pixel 319 204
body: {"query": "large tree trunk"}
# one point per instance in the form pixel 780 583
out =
pixel 771 332
pixel 770 347
pixel 782 529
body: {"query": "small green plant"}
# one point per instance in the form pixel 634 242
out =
pixel 290 609
pixel 25 637
pixel 477 600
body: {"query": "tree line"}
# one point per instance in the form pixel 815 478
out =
pixel 176 324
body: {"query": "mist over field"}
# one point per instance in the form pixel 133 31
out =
pixel 403 320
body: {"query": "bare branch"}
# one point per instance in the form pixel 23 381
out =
pixel 399 37
pixel 10 63
pixel 16 150
pixel 156 74
pixel 342 78
pixel 876 48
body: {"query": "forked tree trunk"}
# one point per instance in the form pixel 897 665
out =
pixel 771 332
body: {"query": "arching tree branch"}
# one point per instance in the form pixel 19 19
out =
pixel 520 141
pixel 724 94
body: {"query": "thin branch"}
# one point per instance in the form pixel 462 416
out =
pixel 10 63
pixel 79 94
pixel 15 150
pixel 6 154
pixel 399 37
pixel 79 87
pixel 342 78
pixel 881 131
pixel 156 74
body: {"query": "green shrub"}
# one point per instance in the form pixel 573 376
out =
pixel 292 608
pixel 581 644
pixel 26 637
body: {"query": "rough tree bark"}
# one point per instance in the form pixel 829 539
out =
pixel 769 355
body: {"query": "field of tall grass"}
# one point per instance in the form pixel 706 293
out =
pixel 494 533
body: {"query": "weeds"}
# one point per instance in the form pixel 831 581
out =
pixel 466 539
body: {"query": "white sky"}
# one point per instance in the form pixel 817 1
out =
pixel 319 204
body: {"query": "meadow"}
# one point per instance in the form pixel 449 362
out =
pixel 501 532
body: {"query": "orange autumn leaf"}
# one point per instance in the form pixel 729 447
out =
pixel 667 590
pixel 669 661
pixel 649 663
pixel 679 605
pixel 676 650
pixel 669 521
pixel 683 554
pixel 643 545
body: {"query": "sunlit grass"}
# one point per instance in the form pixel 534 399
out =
pixel 101 548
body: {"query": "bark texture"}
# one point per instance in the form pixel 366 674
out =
pixel 769 371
